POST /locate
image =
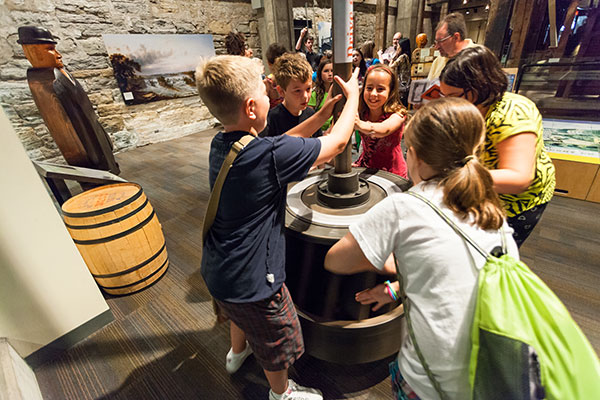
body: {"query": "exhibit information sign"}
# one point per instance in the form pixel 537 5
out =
pixel 572 140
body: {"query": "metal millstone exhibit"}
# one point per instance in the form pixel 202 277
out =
pixel 319 210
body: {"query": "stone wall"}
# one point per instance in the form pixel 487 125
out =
pixel 79 25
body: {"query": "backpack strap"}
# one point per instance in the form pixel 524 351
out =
pixel 413 338
pixel 466 237
pixel 406 301
pixel 215 194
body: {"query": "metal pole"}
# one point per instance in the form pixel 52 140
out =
pixel 343 44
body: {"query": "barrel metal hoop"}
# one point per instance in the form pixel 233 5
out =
pixel 132 268
pixel 118 235
pixel 112 221
pixel 104 210
pixel 138 282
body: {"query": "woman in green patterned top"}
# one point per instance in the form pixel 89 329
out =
pixel 514 150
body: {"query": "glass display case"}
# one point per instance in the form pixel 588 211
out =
pixel 567 93
pixel 563 89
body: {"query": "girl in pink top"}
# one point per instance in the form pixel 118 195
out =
pixel 380 121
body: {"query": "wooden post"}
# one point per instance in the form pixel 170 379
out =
pixel 535 29
pixel 552 21
pixel 420 15
pixel 276 24
pixel 498 19
pixel 520 23
pixel 591 36
pixel 443 13
pixel 381 12
pixel 564 37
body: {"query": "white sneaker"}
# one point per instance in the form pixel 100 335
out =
pixel 297 392
pixel 234 361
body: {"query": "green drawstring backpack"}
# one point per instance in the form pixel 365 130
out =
pixel 525 344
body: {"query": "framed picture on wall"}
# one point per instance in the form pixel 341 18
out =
pixel 156 67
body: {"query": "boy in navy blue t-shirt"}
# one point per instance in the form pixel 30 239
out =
pixel 243 260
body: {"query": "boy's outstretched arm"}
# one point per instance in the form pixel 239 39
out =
pixel 301 38
pixel 334 143
pixel 312 124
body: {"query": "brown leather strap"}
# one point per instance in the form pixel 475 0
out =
pixel 215 195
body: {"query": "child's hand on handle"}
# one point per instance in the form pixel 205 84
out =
pixel 360 125
pixel 377 294
pixel 330 101
pixel 349 88
pixel 334 143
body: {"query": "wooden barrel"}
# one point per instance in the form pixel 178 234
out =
pixel 118 235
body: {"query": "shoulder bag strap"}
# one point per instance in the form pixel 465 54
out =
pixel 215 194
pixel 413 338
pixel 469 240
pixel 481 251
pixel 406 301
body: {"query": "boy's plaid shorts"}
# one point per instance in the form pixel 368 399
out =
pixel 272 328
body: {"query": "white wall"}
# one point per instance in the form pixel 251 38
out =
pixel 46 289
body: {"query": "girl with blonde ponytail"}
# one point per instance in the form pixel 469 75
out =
pixel 439 270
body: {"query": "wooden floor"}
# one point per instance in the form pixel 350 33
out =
pixel 163 343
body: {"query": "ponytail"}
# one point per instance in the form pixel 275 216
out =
pixel 447 134
pixel 468 190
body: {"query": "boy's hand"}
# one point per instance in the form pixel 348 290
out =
pixel 330 101
pixel 349 88
pixel 304 31
pixel 377 294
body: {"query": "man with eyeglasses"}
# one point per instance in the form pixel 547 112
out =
pixel 449 41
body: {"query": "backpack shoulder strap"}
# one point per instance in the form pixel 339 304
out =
pixel 456 228
pixel 413 338
pixel 215 194
pixel 406 301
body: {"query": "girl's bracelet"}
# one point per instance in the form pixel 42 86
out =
pixel 391 291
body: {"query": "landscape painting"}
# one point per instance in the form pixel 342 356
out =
pixel 156 67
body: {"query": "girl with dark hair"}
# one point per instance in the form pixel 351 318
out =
pixel 368 50
pixel 439 270
pixel 380 122
pixel 514 150
pixel 322 85
pixel 358 61
pixel 235 44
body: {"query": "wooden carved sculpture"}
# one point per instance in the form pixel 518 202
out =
pixel 64 105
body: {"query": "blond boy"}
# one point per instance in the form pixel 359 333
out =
pixel 243 260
